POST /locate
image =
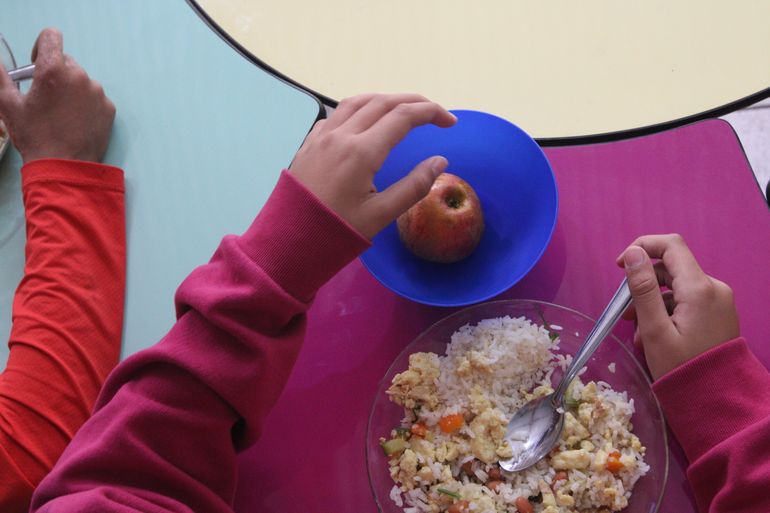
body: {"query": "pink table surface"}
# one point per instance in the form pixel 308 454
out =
pixel 693 180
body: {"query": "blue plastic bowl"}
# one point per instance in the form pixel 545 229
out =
pixel 518 195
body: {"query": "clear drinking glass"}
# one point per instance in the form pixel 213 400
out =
pixel 9 62
pixel 11 211
pixel 6 55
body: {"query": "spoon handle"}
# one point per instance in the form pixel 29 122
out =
pixel 23 73
pixel 604 325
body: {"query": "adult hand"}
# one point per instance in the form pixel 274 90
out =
pixel 696 313
pixel 341 155
pixel 65 114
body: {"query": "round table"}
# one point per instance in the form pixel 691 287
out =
pixel 202 136
pixel 564 71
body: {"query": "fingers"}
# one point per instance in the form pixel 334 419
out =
pixel 319 125
pixel 399 197
pixel 391 128
pixel 315 132
pixel 377 106
pixel 346 108
pixel 629 314
pixel 664 279
pixel 48 49
pixel 676 256
pixel 669 301
pixel 651 314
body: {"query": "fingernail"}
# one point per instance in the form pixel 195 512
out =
pixel 438 165
pixel 633 257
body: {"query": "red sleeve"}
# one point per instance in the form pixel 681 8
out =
pixel 171 419
pixel 67 317
pixel 718 406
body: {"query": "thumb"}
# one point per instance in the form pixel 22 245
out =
pixel 651 313
pixel 402 195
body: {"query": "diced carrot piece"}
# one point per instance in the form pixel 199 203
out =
pixel 493 485
pixel 560 476
pixel 458 507
pixel 523 505
pixel 451 423
pixel 419 429
pixel 613 462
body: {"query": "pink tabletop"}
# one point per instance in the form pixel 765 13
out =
pixel 693 180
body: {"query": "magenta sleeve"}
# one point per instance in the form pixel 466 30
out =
pixel 171 419
pixel 718 406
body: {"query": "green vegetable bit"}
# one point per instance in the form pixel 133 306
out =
pixel 553 335
pixel 571 403
pixel 394 446
pixel 401 431
pixel 447 492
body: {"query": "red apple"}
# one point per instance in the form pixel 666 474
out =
pixel 446 225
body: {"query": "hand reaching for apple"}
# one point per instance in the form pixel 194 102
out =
pixel 340 156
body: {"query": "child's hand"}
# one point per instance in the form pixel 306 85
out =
pixel 65 114
pixel 341 155
pixel 674 326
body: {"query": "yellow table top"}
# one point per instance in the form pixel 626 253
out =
pixel 558 69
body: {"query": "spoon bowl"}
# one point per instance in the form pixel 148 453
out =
pixel 532 432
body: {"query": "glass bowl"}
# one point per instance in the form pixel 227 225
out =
pixel 6 57
pixel 629 376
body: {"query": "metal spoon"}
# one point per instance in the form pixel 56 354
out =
pixel 23 73
pixel 535 429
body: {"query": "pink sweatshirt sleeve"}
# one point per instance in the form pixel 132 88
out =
pixel 718 406
pixel 171 419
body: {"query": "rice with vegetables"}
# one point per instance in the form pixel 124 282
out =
pixel 444 456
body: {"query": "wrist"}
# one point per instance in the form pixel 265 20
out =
pixel 299 241
pixel 28 156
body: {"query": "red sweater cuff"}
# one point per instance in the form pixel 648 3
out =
pixel 77 172
pixel 298 241
pixel 713 396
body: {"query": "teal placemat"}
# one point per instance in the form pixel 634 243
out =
pixel 201 133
